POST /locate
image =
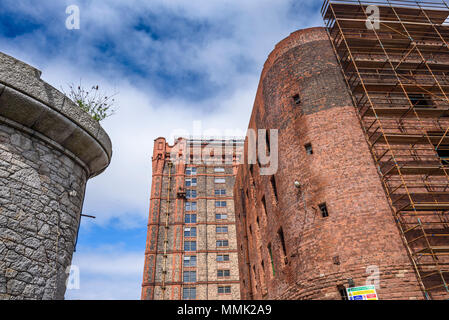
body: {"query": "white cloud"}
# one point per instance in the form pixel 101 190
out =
pixel 108 273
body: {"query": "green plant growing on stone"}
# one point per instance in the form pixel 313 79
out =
pixel 93 101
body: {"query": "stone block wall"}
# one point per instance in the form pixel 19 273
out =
pixel 49 148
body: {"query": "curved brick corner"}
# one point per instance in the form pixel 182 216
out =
pixel 322 253
pixel 49 148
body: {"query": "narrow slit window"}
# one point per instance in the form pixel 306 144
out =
pixel 274 188
pixel 343 292
pixel 323 210
pixel 297 99
pixel 309 149
pixel 267 140
pixel 284 249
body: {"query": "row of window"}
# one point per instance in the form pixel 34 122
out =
pixel 191 231
pixel 191 245
pixel 193 183
pixel 189 293
pixel 190 276
pixel 191 171
pixel 190 261
pixel 191 217
pixel 192 206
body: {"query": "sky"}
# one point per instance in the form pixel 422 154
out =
pixel 173 65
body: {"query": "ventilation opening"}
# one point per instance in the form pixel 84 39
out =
pixel 273 186
pixel 267 140
pixel 297 99
pixel 309 149
pixel 343 293
pixel 284 250
pixel 420 100
pixel 323 209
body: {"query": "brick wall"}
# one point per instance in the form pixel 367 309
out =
pixel 321 253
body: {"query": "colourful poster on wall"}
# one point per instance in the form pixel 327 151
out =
pixel 362 293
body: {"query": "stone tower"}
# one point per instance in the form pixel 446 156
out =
pixel 49 148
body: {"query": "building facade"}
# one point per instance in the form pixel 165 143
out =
pixel 361 191
pixel 191 251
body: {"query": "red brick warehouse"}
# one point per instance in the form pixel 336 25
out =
pixel 361 190
pixel 191 251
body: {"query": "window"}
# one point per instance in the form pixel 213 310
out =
pixel 273 187
pixel 284 249
pixel 323 209
pixel 218 169
pixel 191 182
pixel 190 206
pixel 267 140
pixel 190 232
pixel 221 216
pixel 222 243
pixel 220 204
pixel 190 261
pixel 189 293
pixel 220 180
pixel 271 258
pixel 190 171
pixel 222 229
pixel 190 218
pixel 420 100
pixel 220 192
pixel 190 194
pixel 222 257
pixel 443 153
pixel 308 148
pixel 343 292
pixel 189 276
pixel 297 99
pixel 225 289
pixel 223 273
pixel 189 245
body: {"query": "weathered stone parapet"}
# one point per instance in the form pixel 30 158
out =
pixel 49 148
pixel 31 102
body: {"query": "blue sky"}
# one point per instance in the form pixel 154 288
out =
pixel 172 62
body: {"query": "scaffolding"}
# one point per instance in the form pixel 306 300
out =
pixel 395 59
